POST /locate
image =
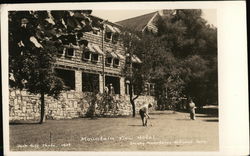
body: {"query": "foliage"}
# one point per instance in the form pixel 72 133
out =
pixel 35 37
pixel 193 44
pixel 181 59
pixel 104 103
pixel 148 48
pixel 107 103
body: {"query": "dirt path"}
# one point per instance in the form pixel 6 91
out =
pixel 169 132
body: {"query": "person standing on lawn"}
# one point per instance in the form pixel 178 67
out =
pixel 192 109
pixel 144 114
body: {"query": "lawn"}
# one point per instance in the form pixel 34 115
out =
pixel 167 131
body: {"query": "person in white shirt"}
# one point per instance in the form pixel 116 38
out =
pixel 111 89
pixel 144 113
pixel 106 90
pixel 192 109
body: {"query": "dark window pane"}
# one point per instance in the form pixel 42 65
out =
pixel 94 58
pixel 116 63
pixel 68 77
pixel 86 55
pixel 90 82
pixel 115 81
pixel 108 36
pixel 115 38
pixel 70 52
pixel 108 61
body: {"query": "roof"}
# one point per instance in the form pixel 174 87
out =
pixel 137 23
pixel 106 21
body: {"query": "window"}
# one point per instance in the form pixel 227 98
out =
pixel 116 63
pixel 69 52
pixel 115 38
pixel 96 31
pixel 68 78
pixel 115 81
pixel 94 57
pixel 108 36
pixel 108 61
pixel 90 82
pixel 83 43
pixel 61 51
pixel 86 56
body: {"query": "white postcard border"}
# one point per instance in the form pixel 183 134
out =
pixel 232 70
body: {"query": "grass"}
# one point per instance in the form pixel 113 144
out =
pixel 169 132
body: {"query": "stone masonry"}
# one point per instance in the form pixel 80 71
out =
pixel 71 104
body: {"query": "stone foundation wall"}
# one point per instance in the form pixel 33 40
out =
pixel 71 104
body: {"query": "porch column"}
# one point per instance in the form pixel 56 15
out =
pixel 78 80
pixel 100 83
pixel 122 85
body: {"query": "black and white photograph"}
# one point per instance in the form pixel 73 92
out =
pixel 113 79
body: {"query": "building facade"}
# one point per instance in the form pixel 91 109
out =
pixel 86 62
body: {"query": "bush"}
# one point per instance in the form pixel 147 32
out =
pixel 102 105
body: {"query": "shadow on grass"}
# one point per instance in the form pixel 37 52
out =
pixel 162 113
pixel 106 116
pixel 206 116
pixel 210 112
pixel 135 125
pixel 23 123
pixel 93 118
pixel 212 120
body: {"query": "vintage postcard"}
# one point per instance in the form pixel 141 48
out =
pixel 125 78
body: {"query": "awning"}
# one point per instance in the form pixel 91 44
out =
pixel 97 49
pixel 109 28
pixel 94 48
pixel 135 59
pixel 120 56
pixel 90 47
pixel 110 53
pixel 72 46
pixel 117 30
pixel 95 29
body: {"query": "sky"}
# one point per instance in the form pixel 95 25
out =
pixel 118 15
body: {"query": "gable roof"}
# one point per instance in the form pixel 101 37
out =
pixel 137 23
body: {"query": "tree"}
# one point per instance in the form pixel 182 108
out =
pixel 181 59
pixel 156 62
pixel 35 37
pixel 193 44
pixel 130 41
